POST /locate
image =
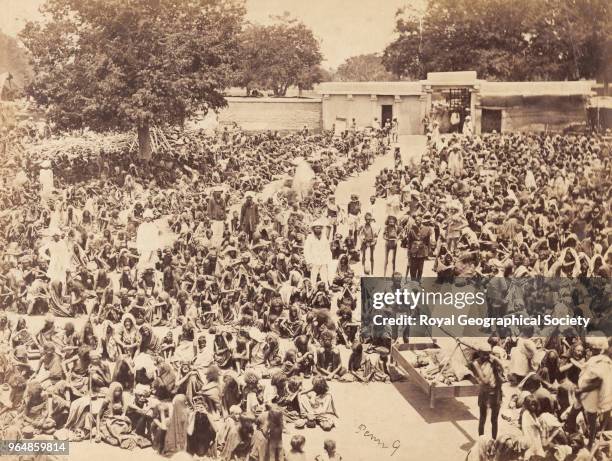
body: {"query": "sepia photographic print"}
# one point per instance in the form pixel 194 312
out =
pixel 284 230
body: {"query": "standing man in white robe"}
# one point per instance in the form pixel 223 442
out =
pixel 45 176
pixel 147 241
pixel 57 253
pixel 317 253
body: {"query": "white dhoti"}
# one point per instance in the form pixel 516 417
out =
pixel 56 272
pixel 147 259
pixel 319 270
pixel 353 221
pixel 59 261
pixel 147 244
pixel 46 183
pixel 217 230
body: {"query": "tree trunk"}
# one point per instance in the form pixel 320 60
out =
pixel 144 142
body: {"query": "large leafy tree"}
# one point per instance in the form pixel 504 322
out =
pixel 131 64
pixel 572 39
pixel 278 56
pixel 502 39
pixel 363 68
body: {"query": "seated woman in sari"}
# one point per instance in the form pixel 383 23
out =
pixel 101 283
pixel 209 395
pixel 292 325
pixel 188 381
pixel 230 393
pixel 46 335
pixel 226 313
pixel 21 336
pixel 59 395
pixel 283 392
pixel 344 274
pixel 223 351
pixel 185 348
pixel 37 409
pixel 108 346
pixel 59 304
pixel 68 341
pixel 108 308
pixel 364 368
pixel 204 356
pixel 128 337
pixel 49 369
pixel 317 405
pixel 87 337
pixel 141 309
pixel 150 343
pixel 266 355
pixel 112 424
pixel 76 370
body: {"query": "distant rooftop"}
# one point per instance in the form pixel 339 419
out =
pixel 460 79
pixel 378 88
pixel 451 78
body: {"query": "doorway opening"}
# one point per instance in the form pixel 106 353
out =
pixel 491 121
pixel 386 114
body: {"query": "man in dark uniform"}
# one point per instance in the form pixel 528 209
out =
pixel 420 242
pixel 217 214
pixel 249 216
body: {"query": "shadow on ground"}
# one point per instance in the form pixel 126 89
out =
pixel 446 410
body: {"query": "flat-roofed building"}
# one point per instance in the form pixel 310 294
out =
pixel 492 106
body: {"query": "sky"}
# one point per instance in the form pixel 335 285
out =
pixel 345 27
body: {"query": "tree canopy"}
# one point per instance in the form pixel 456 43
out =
pixel 14 60
pixel 363 68
pixel 278 56
pixel 116 64
pixel 503 39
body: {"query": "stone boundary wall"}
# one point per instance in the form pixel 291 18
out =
pixel 282 114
